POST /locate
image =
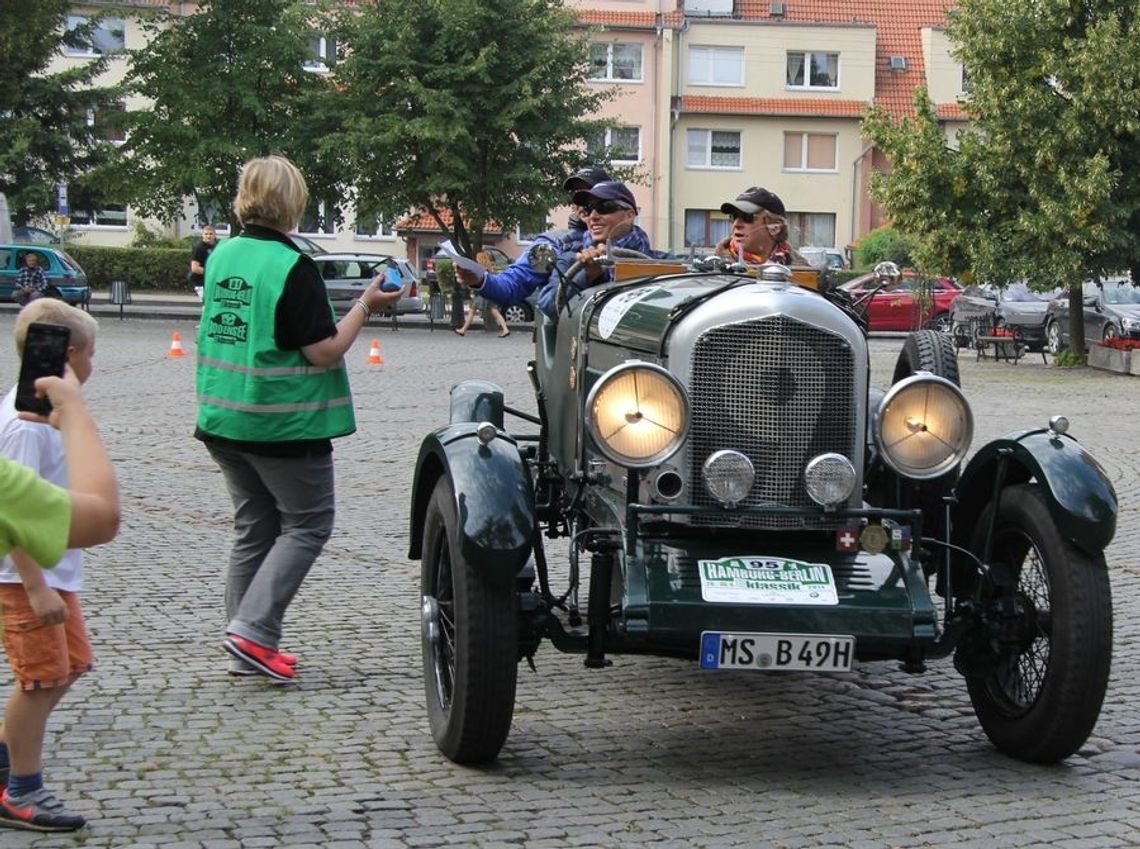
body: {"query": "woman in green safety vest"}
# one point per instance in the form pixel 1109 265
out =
pixel 272 395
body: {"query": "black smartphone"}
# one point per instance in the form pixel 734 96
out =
pixel 45 353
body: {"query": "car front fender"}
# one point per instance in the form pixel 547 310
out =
pixel 1081 498
pixel 493 498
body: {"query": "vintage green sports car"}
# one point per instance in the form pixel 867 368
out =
pixel 706 434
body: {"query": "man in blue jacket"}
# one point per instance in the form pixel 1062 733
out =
pixel 608 209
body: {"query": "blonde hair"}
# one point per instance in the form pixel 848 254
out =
pixel 271 191
pixel 54 311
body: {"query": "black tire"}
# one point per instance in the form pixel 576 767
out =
pixel 470 668
pixel 1053 339
pixel 928 350
pixel 1040 700
pixel 1109 332
pixel 517 314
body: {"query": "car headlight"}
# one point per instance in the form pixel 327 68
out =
pixel 637 414
pixel 829 479
pixel 1130 323
pixel 923 426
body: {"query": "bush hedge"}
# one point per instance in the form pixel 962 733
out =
pixel 162 269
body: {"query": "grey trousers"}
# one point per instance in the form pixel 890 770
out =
pixel 283 515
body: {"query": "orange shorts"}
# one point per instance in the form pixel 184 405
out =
pixel 43 655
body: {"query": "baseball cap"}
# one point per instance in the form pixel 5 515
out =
pixel 606 190
pixel 752 200
pixel 583 178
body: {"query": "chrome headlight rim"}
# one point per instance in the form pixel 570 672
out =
pixel 952 460
pixel 813 486
pixel 657 457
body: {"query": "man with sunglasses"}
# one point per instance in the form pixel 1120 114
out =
pixel 608 210
pixel 759 229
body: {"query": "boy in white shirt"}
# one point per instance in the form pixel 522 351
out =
pixel 44 634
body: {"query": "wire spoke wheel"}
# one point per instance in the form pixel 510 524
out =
pixel 1039 683
pixel 470 641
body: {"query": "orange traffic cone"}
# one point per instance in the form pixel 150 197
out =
pixel 374 358
pixel 176 346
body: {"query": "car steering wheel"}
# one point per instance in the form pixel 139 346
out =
pixel 561 294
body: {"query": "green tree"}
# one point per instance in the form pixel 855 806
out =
pixel 45 137
pixel 1045 185
pixel 227 83
pixel 473 110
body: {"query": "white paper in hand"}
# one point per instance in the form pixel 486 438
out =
pixel 460 260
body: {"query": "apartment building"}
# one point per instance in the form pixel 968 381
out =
pixel 712 96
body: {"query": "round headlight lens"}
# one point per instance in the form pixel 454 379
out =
pixel 728 476
pixel 924 426
pixel 829 479
pixel 637 414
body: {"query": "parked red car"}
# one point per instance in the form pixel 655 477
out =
pixel 900 307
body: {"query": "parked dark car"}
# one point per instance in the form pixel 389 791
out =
pixel 347 275
pixel 901 306
pixel 35 236
pixel 734 493
pixel 1111 308
pixel 981 309
pixel 61 271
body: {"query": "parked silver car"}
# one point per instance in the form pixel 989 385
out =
pixel 347 275
pixel 1111 308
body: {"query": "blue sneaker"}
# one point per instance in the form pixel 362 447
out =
pixel 38 811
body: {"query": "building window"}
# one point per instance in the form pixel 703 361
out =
pixel 322 53
pixel 811 228
pixel 618 144
pixel 705 227
pixel 716 65
pixel 965 81
pixel 713 149
pixel 87 38
pixel 374 227
pixel 111 215
pixel 211 212
pixel 319 219
pixel 615 61
pixel 809 152
pixel 813 70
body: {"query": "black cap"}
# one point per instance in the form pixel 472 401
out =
pixel 585 178
pixel 752 200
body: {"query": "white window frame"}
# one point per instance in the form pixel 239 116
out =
pixel 608 75
pixel 96 224
pixel 807 84
pixel 708 164
pixel 322 214
pixel 702 65
pixel 384 231
pixel 607 144
pixel 76 21
pixel 803 168
pixel 319 64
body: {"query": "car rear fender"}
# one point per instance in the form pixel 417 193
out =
pixel 494 500
pixel 1080 497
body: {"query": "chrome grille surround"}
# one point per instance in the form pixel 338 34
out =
pixel 781 376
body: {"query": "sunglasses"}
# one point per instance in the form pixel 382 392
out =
pixel 605 207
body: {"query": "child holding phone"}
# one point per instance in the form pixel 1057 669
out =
pixel 44 634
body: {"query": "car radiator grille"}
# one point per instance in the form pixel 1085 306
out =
pixel 779 391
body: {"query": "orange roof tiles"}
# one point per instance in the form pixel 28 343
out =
pixel 605 17
pixel 423 221
pixel 774 106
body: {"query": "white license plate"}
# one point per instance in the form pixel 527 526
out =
pixel 815 652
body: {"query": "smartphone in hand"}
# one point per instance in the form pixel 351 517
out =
pixel 45 354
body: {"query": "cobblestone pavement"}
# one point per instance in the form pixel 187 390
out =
pixel 159 747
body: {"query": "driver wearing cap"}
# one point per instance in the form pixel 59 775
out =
pixel 607 210
pixel 759 229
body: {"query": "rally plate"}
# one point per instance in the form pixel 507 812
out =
pixel 770 652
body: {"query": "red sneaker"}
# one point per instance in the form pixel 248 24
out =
pixel 265 660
